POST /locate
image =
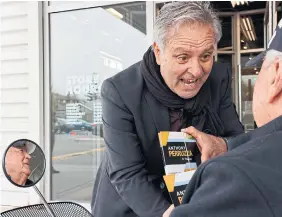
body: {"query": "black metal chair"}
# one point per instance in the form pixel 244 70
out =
pixel 60 209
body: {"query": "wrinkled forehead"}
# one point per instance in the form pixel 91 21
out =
pixel 191 37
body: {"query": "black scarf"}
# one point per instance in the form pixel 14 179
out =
pixel 198 109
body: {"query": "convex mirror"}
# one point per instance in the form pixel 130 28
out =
pixel 24 163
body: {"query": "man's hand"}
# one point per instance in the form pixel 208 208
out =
pixel 210 146
pixel 168 211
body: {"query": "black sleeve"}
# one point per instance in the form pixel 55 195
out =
pixel 220 190
pixel 228 114
pixel 126 162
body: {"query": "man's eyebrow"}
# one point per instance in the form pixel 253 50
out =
pixel 180 49
pixel 211 48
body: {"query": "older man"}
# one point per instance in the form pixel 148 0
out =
pixel 247 180
pixel 176 85
pixel 17 162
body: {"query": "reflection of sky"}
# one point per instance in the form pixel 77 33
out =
pixel 91 41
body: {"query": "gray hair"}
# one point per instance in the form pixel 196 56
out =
pixel 271 55
pixel 177 13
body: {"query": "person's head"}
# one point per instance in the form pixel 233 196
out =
pixel 17 164
pixel 185 38
pixel 267 97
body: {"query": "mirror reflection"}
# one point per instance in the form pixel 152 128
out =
pixel 24 163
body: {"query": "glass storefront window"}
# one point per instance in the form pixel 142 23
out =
pixel 225 42
pixel 248 82
pixel 252 31
pixel 86 47
pixel 248 79
pixel 249 70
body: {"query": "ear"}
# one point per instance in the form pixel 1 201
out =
pixel 276 86
pixel 157 52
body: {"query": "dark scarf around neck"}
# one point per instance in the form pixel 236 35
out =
pixel 197 108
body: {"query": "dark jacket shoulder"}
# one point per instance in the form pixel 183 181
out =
pixel 127 83
pixel 221 79
pixel 260 152
pixel 247 174
pixel 220 71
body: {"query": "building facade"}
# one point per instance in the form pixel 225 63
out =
pixel 54 58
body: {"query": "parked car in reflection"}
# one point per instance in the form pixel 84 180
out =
pixel 65 126
pixel 82 125
pixel 62 126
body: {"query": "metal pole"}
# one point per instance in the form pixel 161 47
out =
pixel 270 29
pixel 237 58
pixel 50 211
pixel 240 92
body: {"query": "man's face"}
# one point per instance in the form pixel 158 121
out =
pixel 187 59
pixel 17 164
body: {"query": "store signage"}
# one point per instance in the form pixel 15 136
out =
pixel 82 84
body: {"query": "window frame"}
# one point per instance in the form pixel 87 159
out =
pixel 47 11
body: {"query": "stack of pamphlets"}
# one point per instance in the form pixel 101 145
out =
pixel 178 151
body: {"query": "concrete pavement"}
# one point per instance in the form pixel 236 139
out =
pixel 77 158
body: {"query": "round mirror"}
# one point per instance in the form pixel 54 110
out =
pixel 24 163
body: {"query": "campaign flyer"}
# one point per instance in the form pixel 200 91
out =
pixel 178 150
pixel 176 185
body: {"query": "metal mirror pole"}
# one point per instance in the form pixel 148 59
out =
pixel 44 202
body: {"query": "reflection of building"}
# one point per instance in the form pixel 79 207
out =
pixel 61 103
pixel 97 104
pixel 97 111
pixel 77 111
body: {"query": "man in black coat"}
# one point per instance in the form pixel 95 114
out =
pixel 176 85
pixel 246 181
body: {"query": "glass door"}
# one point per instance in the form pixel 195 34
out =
pixel 248 76
pixel 225 49
pixel 278 12
pixel 252 39
pixel 83 52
